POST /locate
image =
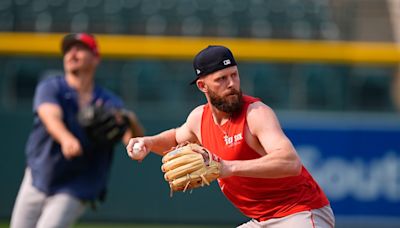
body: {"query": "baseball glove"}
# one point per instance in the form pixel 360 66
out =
pixel 190 166
pixel 102 125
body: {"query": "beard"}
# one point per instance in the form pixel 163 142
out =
pixel 231 103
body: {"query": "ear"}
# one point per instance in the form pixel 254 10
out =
pixel 201 85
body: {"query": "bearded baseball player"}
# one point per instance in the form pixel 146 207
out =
pixel 256 165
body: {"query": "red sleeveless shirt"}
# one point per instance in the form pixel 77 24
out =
pixel 258 198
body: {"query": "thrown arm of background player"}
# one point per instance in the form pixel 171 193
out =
pixel 52 117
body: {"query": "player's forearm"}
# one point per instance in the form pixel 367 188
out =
pixel 162 141
pixel 274 165
pixel 51 117
pixel 58 131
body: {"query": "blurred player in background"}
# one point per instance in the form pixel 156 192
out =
pixel 67 169
pixel 261 173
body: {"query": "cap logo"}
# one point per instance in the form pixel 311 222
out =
pixel 212 59
pixel 226 62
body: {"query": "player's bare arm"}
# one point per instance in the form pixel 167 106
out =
pixel 51 116
pixel 139 148
pixel 190 130
pixel 280 159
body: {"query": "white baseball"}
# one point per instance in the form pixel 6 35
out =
pixel 136 148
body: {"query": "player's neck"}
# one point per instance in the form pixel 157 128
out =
pixel 219 116
pixel 83 83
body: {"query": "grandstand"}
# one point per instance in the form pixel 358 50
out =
pixel 285 85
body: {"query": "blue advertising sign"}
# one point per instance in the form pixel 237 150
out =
pixel 358 168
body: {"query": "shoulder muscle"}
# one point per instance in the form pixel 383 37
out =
pixel 259 111
pixel 190 130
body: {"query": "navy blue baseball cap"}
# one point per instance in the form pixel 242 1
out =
pixel 212 59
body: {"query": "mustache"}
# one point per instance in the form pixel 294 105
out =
pixel 233 92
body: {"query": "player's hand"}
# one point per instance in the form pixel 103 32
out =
pixel 138 148
pixel 71 147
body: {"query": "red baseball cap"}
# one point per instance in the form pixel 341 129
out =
pixel 84 38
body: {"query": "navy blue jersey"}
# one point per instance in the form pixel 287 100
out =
pixel 84 177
